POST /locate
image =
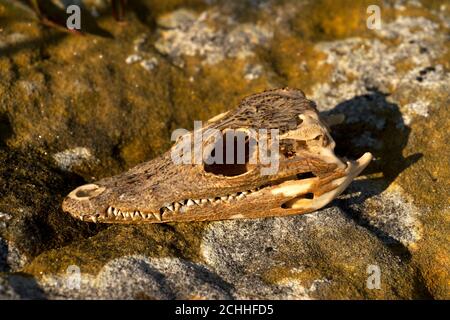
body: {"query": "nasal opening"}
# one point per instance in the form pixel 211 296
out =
pixel 86 192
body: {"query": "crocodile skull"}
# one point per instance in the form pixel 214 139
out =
pixel 309 175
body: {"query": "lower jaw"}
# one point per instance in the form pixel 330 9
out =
pixel 325 193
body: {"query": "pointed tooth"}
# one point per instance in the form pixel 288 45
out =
pixel 231 197
pixel 177 206
pixel 157 215
pixel 211 199
pixel 149 216
pixel 224 198
pixel 94 219
pixel 170 207
pixel 142 215
pixel 109 211
pixel 244 193
pixel 190 202
pixel 241 196
pixel 204 201
pixel 197 201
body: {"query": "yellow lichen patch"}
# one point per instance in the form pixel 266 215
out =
pixel 427 183
pixel 283 274
pixel 201 95
pixel 444 59
pixel 331 20
pixel 433 258
pixel 404 65
pixel 90 255
pixel 134 151
pixel 296 63
pixel 156 7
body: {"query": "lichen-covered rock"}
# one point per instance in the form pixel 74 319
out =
pixel 74 109
pixel 185 34
pixel 139 277
pixel 299 257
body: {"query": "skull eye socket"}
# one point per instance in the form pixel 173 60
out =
pixel 230 155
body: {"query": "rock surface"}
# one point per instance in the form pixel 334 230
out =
pixel 74 109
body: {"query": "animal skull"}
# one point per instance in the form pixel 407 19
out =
pixel 309 174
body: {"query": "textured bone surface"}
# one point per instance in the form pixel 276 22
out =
pixel 309 174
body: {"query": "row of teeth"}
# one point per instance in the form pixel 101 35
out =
pixel 131 215
pixel 179 206
pixel 117 214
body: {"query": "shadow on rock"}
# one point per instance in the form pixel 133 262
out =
pixel 31 191
pixel 54 15
pixel 30 44
pixel 23 287
pixel 6 130
pixel 142 277
pixel 3 256
pixel 373 124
